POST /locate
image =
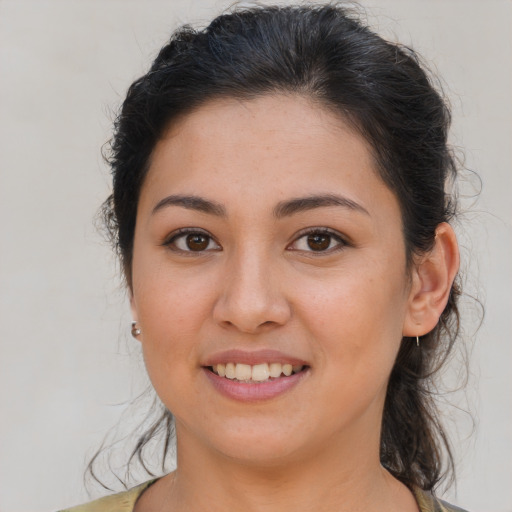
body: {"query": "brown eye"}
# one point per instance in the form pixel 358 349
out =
pixel 319 241
pixel 192 241
pixel 197 242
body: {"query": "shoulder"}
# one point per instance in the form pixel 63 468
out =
pixel 120 502
pixel 451 508
pixel 427 502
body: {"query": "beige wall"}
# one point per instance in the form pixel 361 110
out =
pixel 66 356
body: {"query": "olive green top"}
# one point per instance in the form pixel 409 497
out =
pixel 125 502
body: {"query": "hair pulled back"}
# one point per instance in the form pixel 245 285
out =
pixel 324 53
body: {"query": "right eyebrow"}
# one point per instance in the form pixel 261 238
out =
pixel 191 203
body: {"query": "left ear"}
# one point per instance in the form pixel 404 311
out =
pixel 432 279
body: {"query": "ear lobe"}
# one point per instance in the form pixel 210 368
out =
pixel 432 281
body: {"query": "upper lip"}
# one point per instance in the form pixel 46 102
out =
pixel 253 357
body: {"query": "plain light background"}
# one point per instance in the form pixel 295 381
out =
pixel 67 362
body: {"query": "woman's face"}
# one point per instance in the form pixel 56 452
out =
pixel 266 242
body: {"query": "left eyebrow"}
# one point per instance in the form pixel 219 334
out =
pixel 302 204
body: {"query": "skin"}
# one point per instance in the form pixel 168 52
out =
pixel 259 285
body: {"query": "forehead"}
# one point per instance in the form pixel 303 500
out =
pixel 280 120
pixel 272 146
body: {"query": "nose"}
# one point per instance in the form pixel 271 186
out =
pixel 251 298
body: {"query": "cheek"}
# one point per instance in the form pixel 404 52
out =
pixel 356 316
pixel 171 308
pixel 170 322
pixel 355 327
pixel 169 299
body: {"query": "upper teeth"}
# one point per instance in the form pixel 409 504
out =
pixel 257 372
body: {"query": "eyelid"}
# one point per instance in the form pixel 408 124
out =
pixel 342 240
pixel 169 239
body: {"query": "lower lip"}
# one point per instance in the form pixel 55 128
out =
pixel 254 391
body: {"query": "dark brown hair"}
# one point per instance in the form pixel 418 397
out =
pixel 322 52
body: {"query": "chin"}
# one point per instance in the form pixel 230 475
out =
pixel 260 445
pixel 261 455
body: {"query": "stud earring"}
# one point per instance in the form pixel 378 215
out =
pixel 135 330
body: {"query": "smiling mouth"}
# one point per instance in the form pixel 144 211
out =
pixel 255 373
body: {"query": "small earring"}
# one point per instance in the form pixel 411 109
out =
pixel 135 330
pixel 417 340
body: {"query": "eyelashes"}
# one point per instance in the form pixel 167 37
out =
pixel 192 240
pixel 318 241
pixel 315 241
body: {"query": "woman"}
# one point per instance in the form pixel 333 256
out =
pixel 280 211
